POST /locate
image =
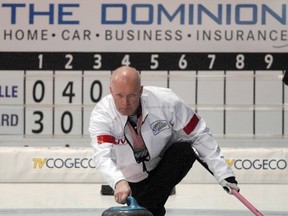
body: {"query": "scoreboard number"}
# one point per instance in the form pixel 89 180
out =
pixel 126 60
pixel 96 95
pixel 183 62
pixel 39 84
pixel 212 60
pixel 154 61
pixel 68 91
pixel 40 58
pixel 69 58
pixel 269 60
pixel 97 61
pixel 38 122
pixel 240 64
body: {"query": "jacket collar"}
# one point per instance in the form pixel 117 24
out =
pixel 144 109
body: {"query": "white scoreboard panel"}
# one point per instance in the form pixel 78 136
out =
pixel 51 94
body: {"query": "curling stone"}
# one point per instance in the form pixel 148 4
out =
pixel 132 209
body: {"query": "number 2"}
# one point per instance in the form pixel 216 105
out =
pixel 70 59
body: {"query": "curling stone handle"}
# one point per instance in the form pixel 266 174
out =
pixel 132 203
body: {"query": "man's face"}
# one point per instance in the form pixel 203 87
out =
pixel 126 97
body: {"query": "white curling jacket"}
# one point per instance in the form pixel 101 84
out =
pixel 166 119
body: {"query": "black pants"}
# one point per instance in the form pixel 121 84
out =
pixel 153 192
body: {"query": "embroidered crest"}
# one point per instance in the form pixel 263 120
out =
pixel 159 126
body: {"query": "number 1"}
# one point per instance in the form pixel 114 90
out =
pixel 40 58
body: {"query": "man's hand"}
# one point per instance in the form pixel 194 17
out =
pixel 229 183
pixel 122 191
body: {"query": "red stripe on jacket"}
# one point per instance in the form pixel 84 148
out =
pixel 106 139
pixel 191 124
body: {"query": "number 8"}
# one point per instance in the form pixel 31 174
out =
pixel 240 64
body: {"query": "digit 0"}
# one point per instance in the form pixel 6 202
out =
pixel 93 98
pixel 68 115
pixel 42 91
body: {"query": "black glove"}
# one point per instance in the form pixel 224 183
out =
pixel 229 183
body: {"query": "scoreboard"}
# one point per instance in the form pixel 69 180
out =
pixel 53 93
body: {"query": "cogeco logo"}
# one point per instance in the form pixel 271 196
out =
pixel 258 164
pixel 62 163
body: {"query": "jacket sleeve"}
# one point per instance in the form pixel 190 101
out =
pixel 102 142
pixel 192 128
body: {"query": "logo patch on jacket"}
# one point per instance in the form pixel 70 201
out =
pixel 159 126
pixel 111 139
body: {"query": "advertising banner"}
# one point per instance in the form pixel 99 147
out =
pixel 146 26
pixel 75 165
